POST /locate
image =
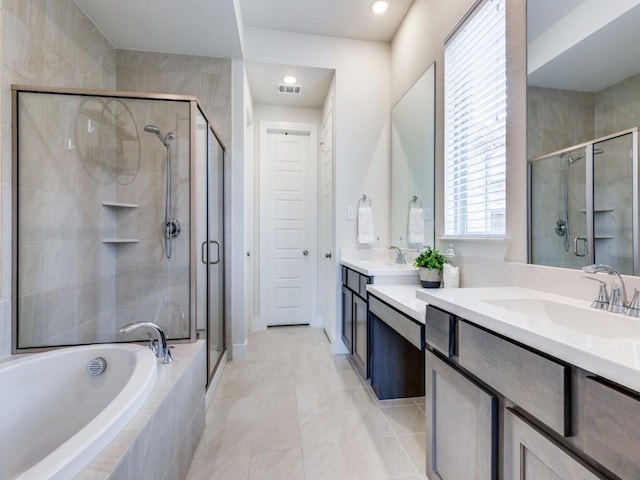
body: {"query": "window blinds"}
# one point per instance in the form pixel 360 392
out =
pixel 475 124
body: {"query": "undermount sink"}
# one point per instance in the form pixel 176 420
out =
pixel 590 321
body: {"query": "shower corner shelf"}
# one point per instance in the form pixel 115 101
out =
pixel 115 241
pixel 120 205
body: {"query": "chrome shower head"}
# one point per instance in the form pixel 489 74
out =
pixel 155 130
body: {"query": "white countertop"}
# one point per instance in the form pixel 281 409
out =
pixel 375 268
pixel 603 343
pixel 402 298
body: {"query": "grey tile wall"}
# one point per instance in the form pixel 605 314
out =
pixel 43 43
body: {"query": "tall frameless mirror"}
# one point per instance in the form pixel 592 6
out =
pixel 583 102
pixel 412 164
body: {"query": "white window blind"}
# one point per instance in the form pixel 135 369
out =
pixel 475 124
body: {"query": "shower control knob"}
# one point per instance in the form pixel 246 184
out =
pixel 305 252
pixel 327 254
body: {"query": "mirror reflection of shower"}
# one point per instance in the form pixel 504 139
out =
pixel 171 227
pixel 562 225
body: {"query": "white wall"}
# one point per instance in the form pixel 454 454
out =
pixel 419 42
pixel 362 114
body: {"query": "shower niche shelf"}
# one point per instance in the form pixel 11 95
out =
pixel 120 205
pixel 116 241
pixel 125 207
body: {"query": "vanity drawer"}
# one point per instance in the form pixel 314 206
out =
pixel 364 281
pixel 439 330
pixel 536 383
pixel 403 325
pixel 611 427
pixel 353 280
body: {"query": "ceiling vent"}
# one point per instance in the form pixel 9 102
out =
pixel 289 89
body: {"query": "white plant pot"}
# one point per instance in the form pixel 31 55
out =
pixel 430 278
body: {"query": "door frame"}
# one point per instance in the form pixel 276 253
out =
pixel 310 129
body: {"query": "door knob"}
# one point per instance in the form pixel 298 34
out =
pixel 327 254
pixel 305 252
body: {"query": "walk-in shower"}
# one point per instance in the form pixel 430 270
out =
pixel 97 242
pixel 583 205
pixel 562 226
pixel 170 226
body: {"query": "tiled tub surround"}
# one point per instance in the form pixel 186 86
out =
pixel 160 441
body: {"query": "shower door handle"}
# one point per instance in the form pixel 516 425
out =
pixel 204 252
pixel 585 247
pixel 217 244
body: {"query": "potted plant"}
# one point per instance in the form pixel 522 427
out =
pixel 430 263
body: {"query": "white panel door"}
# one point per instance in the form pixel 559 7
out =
pixel 287 225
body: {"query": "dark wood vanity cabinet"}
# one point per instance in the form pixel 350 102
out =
pixel 554 420
pixel 397 352
pixel 355 318
pixel 462 424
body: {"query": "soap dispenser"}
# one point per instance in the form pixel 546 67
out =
pixel 451 270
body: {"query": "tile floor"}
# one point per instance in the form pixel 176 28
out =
pixel 295 411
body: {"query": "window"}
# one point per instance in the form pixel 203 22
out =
pixel 475 124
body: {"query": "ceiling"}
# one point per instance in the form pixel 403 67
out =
pixel 582 45
pixel 213 28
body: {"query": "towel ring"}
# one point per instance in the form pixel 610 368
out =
pixel 415 202
pixel 363 201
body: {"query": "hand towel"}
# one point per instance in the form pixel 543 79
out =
pixel 416 226
pixel 365 225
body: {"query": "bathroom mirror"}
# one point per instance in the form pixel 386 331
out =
pixel 412 164
pixel 583 97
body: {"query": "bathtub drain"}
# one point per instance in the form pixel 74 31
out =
pixel 97 366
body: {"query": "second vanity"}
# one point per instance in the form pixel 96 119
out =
pixel 518 383
pixel 524 384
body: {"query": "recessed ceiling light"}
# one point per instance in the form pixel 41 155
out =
pixel 289 79
pixel 380 6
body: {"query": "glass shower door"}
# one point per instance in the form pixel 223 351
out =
pixel 558 223
pixel 613 202
pixel 215 220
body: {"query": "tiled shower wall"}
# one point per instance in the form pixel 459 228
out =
pixel 53 43
pixel 558 119
pixel 43 43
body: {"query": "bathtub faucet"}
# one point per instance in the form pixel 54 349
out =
pixel 162 351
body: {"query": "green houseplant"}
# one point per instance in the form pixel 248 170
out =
pixel 430 263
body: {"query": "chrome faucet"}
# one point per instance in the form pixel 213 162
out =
pixel 162 350
pixel 618 300
pixel 399 256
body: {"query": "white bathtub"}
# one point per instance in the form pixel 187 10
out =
pixel 55 417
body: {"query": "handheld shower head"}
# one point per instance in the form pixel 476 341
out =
pixel 155 130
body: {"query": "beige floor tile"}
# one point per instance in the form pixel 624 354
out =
pixel 366 423
pixel 406 419
pixel 415 444
pixel 278 465
pixel 275 406
pixel 295 411
pixel 228 410
pixel 228 467
pixel 331 462
pixel 395 402
pixel 314 400
pixel 354 398
pixel 322 429
pixel 276 434
pixel 230 439
pixel 383 458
